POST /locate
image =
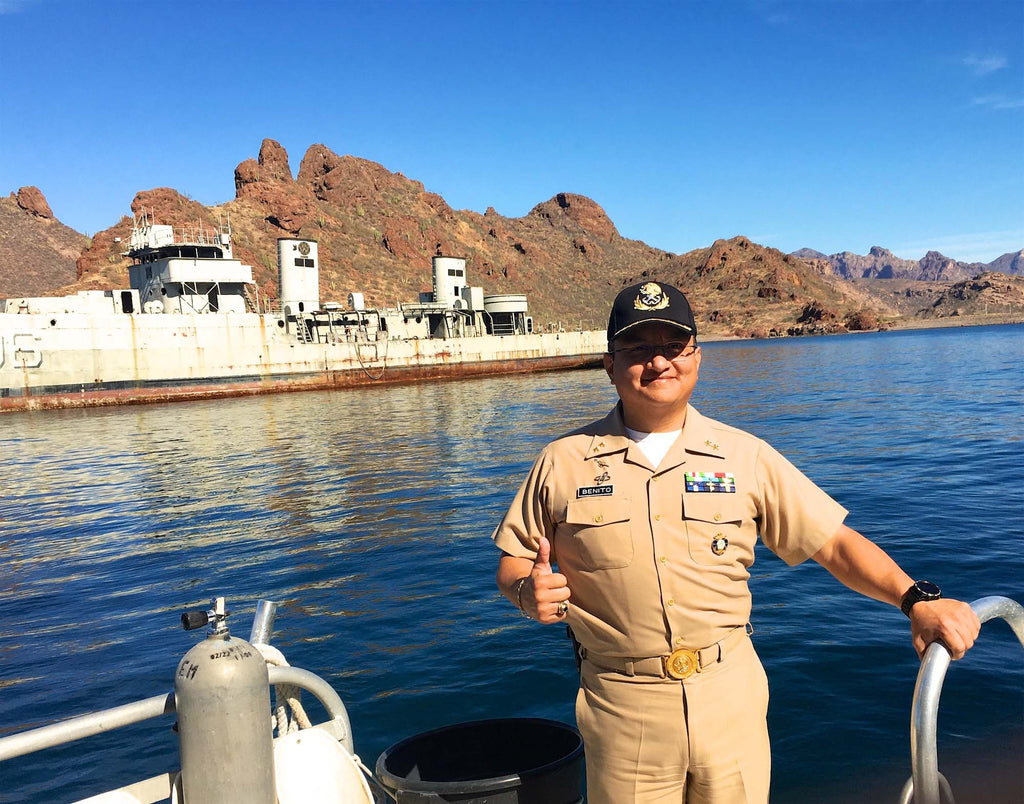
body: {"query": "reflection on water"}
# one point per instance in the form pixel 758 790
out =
pixel 367 514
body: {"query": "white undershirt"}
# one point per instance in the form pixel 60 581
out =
pixel 654 445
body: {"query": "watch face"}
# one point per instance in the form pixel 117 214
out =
pixel 928 589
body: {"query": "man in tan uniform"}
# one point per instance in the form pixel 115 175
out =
pixel 651 515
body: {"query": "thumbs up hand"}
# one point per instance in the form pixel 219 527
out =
pixel 545 593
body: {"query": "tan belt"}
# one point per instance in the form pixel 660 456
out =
pixel 679 664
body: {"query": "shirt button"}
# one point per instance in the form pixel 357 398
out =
pixel 598 518
pixel 679 642
pixel 663 560
pixel 718 517
pixel 657 517
pixel 671 602
pixel 654 479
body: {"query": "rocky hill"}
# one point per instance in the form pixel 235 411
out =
pixel 37 252
pixel 377 231
pixel 990 291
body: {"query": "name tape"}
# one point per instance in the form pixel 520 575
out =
pixel 594 491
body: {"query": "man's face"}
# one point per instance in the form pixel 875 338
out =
pixel 657 385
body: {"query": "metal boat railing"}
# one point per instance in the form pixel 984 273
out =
pixel 927 785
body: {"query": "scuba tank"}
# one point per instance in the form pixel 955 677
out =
pixel 222 697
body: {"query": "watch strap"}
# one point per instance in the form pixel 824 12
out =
pixel 918 592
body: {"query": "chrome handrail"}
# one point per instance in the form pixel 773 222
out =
pixel 75 728
pixel 926 783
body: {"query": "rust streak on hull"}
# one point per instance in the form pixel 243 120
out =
pixel 325 380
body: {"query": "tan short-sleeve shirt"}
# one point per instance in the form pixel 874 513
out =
pixel 657 557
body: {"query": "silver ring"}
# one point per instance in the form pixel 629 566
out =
pixel 563 609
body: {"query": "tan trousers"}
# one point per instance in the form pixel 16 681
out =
pixel 704 740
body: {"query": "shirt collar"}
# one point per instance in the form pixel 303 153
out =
pixel 698 438
pixel 610 435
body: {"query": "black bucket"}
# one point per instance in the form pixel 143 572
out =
pixel 504 761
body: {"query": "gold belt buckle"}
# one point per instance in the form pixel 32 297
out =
pixel 681 663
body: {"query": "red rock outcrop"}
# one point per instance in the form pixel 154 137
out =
pixel 581 211
pixel 32 200
pixel 273 160
pixel 268 183
pixel 349 181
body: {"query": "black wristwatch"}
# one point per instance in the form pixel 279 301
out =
pixel 921 590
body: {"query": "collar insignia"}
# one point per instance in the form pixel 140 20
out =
pixel 651 297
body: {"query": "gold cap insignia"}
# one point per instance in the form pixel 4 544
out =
pixel 651 297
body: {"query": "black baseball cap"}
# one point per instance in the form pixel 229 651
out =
pixel 650 302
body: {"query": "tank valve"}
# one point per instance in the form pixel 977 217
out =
pixel 216 617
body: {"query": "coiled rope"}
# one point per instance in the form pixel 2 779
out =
pixel 286 697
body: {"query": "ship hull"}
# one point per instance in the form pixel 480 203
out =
pixel 51 361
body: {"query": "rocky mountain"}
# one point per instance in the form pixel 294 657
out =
pixel 1012 263
pixel 377 231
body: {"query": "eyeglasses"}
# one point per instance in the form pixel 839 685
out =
pixel 645 352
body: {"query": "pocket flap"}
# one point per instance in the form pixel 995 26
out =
pixel 712 507
pixel 597 511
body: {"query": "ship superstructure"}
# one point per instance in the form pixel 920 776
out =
pixel 188 271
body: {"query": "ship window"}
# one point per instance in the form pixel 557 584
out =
pixel 452 272
pixel 304 263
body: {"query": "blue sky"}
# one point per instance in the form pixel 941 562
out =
pixel 831 124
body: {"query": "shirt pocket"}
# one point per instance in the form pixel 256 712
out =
pixel 714 528
pixel 599 534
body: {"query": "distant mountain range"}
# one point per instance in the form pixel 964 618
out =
pixel 377 231
pixel 880 263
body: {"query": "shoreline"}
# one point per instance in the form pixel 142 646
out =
pixel 978 320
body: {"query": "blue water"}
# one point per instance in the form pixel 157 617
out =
pixel 367 514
